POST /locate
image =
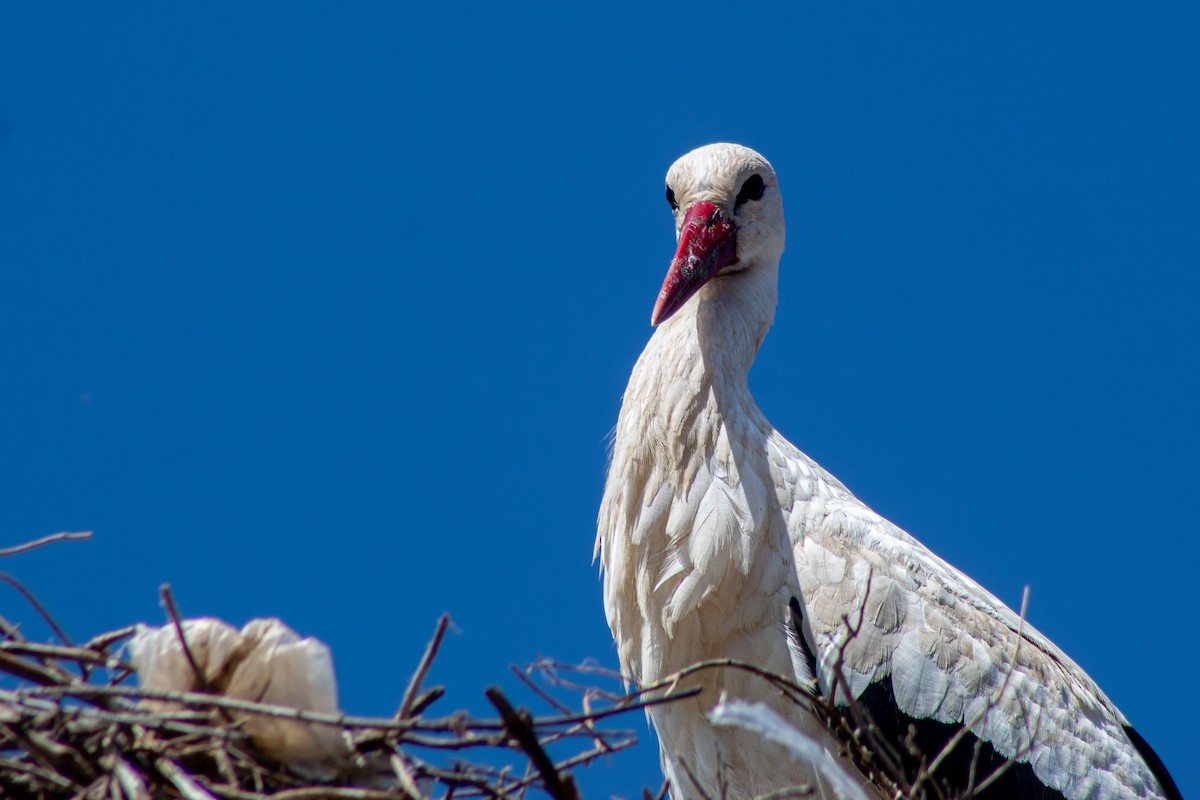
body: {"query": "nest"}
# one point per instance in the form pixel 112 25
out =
pixel 76 724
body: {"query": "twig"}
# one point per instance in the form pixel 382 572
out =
pixel 34 770
pixel 168 603
pixel 182 781
pixel 305 793
pixel 130 781
pixel 78 654
pixel 418 677
pixel 560 786
pixel 10 630
pixel 425 700
pixel 64 536
pixel 687 770
pixel 404 776
pixel 213 701
pixel 550 669
pixel 539 691
pixel 990 779
pixel 106 640
pixel 982 715
pixel 35 673
pixel 37 606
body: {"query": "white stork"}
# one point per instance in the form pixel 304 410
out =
pixel 713 524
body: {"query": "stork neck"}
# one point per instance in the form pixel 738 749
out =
pixel 690 385
pixel 725 326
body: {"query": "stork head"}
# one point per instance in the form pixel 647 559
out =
pixel 728 221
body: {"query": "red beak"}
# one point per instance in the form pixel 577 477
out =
pixel 707 244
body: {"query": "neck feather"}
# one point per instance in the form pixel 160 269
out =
pixel 691 378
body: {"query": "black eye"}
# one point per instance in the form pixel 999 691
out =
pixel 752 189
pixel 671 199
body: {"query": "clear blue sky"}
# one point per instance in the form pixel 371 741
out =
pixel 325 312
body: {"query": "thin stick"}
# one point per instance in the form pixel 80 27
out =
pixel 38 607
pixel 168 602
pixel 993 701
pixel 558 785
pixel 57 651
pixel 539 691
pixel 105 640
pixel 64 536
pixel 425 700
pixel 10 630
pixel 414 683
pixel 182 781
pixel 305 793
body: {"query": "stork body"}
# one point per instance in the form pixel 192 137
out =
pixel 712 523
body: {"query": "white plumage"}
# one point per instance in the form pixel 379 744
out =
pixel 265 662
pixel 712 522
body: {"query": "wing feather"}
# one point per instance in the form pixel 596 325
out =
pixel 947 646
